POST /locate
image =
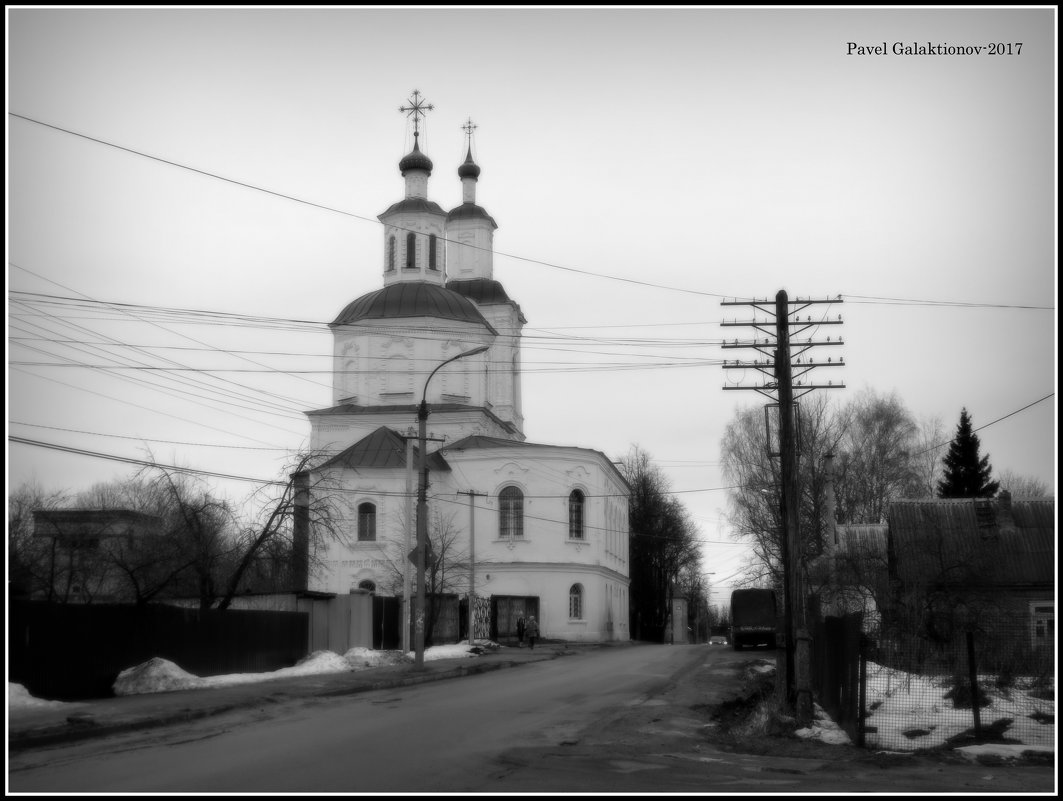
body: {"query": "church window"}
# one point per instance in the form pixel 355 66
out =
pixel 510 513
pixel 411 252
pixel 575 602
pixel 391 253
pixel 575 515
pixel 366 522
pixel 432 252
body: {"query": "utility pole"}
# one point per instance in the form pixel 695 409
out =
pixel 779 368
pixel 472 560
pixel 409 538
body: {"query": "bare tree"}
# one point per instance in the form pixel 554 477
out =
pixel 30 560
pixel 272 526
pixel 1021 486
pixel 877 459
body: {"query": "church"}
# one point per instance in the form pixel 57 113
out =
pixel 538 529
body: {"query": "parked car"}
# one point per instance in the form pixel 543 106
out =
pixel 717 640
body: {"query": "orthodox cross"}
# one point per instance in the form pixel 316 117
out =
pixel 416 109
pixel 469 127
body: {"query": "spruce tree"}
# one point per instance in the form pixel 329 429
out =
pixel 966 474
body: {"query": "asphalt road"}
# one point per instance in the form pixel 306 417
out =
pixel 608 721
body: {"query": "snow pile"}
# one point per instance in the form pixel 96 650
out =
pixel 1001 752
pixel 18 697
pixel 157 675
pixel 824 729
pixel 160 675
pixel 362 658
pixel 456 651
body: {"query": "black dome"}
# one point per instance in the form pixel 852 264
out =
pixel 412 299
pixel 415 160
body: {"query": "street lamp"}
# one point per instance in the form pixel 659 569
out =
pixel 422 509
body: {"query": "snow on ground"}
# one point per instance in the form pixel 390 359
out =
pixel 19 698
pixel 911 711
pixel 159 675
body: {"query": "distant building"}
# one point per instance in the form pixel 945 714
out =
pixel 942 565
pixel 550 521
pixel 86 550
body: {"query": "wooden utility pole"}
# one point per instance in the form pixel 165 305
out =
pixel 777 344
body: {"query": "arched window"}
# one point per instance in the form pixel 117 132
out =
pixel 367 585
pixel 411 252
pixel 391 253
pixel 575 602
pixel 510 513
pixel 432 252
pixel 366 522
pixel 575 515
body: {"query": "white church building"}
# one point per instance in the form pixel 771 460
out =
pixel 544 526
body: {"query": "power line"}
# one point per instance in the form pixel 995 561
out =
pixel 376 222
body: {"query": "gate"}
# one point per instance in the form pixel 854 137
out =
pixel 506 610
pixel 836 667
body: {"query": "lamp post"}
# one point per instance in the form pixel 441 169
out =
pixel 422 508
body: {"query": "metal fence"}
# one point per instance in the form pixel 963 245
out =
pixel 76 651
pixel 989 681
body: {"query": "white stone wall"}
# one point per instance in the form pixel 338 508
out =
pixel 544 563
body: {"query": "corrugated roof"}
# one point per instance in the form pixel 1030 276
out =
pixel 412 299
pixel 383 449
pixel 971 541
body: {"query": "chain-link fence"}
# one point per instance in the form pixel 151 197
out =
pixel 991 680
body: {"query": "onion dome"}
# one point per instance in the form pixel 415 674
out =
pixel 469 169
pixel 415 160
pixel 412 299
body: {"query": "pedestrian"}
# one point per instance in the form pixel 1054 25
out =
pixel 520 631
pixel 532 632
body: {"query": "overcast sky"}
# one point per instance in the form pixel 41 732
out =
pixel 642 165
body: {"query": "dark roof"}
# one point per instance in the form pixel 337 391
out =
pixel 383 449
pixel 415 160
pixel 480 442
pixel 79 523
pixel 973 541
pixel 411 408
pixel 412 299
pixel 470 211
pixel 484 291
pixel 470 169
pixel 413 204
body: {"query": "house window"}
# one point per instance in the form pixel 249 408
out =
pixel 432 252
pixel 575 602
pixel 575 515
pixel 366 522
pixel 510 513
pixel 391 254
pixel 411 252
pixel 1043 616
pixel 368 586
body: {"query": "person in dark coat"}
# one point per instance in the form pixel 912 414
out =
pixel 532 631
pixel 520 632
